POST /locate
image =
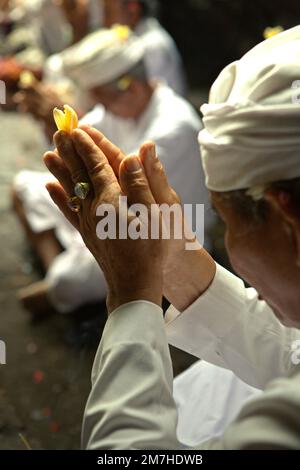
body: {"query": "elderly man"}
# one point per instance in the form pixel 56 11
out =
pixel 109 66
pixel 251 156
pixel 162 58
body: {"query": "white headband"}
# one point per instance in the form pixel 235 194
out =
pixel 102 57
pixel 251 130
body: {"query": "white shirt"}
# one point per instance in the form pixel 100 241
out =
pixel 162 58
pixel 53 33
pixel 208 399
pixel 173 124
pixel 131 404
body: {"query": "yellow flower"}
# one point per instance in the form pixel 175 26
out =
pixel 27 79
pixel 124 83
pixel 66 120
pixel 122 32
pixel 271 32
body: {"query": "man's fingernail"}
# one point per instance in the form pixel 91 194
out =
pixel 152 153
pixel 60 136
pixel 132 164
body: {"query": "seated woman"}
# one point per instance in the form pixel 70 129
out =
pixel 250 151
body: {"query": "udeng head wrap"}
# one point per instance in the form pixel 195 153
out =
pixel 102 57
pixel 251 133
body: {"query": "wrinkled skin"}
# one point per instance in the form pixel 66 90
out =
pixel 132 268
pixel 266 253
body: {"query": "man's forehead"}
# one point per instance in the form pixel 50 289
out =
pixel 104 89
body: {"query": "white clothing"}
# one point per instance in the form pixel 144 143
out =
pixel 172 123
pixel 208 398
pixel 229 327
pixel 53 33
pixel 131 404
pixel 162 58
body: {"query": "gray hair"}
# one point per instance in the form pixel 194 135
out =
pixel 137 72
pixel 251 204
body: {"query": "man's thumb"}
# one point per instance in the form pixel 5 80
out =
pixel 134 182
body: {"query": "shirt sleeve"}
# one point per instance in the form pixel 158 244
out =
pixel 230 327
pixel 131 404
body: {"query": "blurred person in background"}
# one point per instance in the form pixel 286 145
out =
pixel 109 66
pixel 37 30
pixel 162 59
pixel 49 25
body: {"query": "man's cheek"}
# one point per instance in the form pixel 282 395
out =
pixel 232 249
pixel 238 260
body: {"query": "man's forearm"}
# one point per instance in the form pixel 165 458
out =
pixel 189 279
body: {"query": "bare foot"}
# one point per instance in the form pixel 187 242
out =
pixel 45 244
pixel 34 299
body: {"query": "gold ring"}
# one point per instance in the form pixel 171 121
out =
pixel 82 190
pixel 74 204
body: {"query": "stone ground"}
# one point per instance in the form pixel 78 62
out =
pixel 46 379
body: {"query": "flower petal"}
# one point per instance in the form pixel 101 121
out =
pixel 71 117
pixel 59 118
pixel 66 120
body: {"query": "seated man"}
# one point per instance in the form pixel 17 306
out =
pixel 131 109
pixel 109 66
pixel 251 123
pixel 162 58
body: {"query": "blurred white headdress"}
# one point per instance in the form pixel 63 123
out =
pixel 102 57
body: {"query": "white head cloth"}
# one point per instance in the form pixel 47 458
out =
pixel 102 57
pixel 252 121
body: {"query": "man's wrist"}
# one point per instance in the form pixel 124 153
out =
pixel 193 275
pixel 116 299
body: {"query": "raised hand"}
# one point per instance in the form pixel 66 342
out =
pixel 132 267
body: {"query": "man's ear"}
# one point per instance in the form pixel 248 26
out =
pixel 283 203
